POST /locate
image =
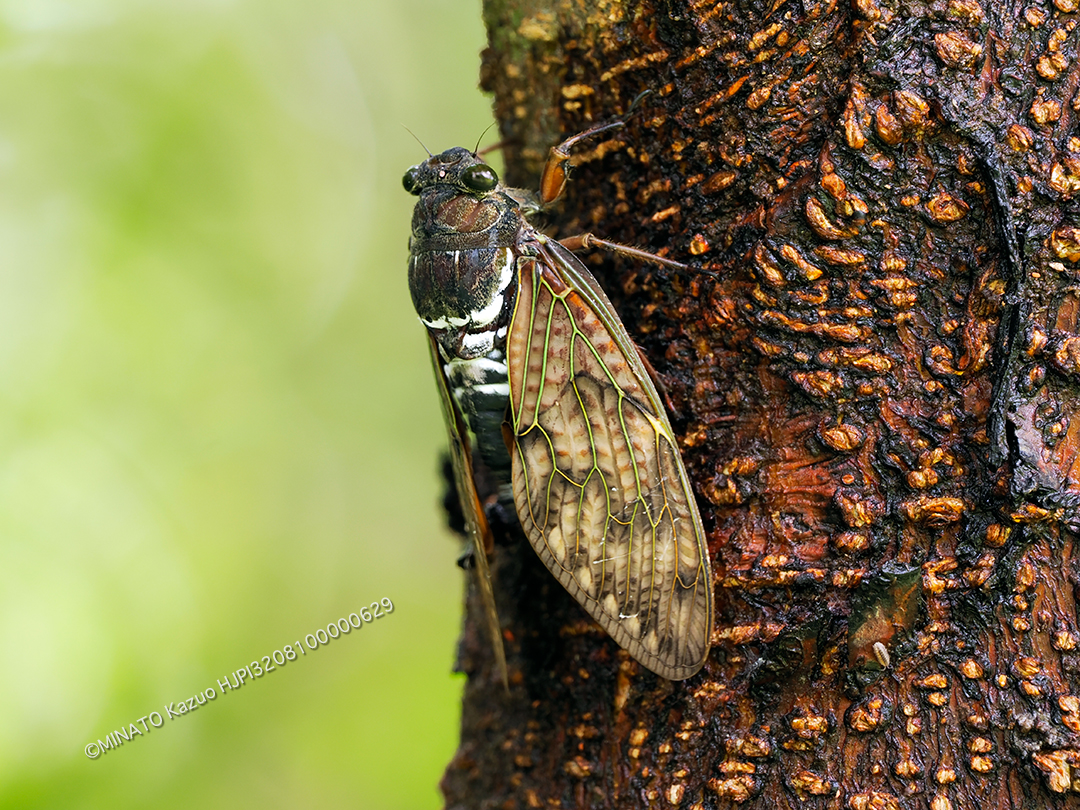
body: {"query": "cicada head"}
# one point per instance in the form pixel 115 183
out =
pixel 455 167
pixel 464 232
pixel 460 202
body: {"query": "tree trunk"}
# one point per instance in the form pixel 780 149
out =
pixel 873 368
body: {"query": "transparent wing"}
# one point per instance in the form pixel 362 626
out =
pixel 599 484
pixel 476 524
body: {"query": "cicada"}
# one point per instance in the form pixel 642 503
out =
pixel 544 392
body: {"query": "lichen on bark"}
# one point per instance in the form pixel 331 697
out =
pixel 874 370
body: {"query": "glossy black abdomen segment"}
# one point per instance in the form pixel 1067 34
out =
pixel 451 288
pixel 481 389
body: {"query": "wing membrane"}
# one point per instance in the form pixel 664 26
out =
pixel 476 525
pixel 599 484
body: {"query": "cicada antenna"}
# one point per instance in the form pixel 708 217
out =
pixel 482 134
pixel 420 141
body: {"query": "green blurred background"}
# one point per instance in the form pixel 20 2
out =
pixel 218 427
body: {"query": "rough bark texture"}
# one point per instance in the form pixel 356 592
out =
pixel 874 375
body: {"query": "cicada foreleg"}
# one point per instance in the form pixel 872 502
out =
pixel 557 168
pixel 558 165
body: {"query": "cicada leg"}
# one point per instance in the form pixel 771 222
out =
pixel 587 241
pixel 557 168
pixel 661 386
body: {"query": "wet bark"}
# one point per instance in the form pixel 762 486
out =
pixel 874 370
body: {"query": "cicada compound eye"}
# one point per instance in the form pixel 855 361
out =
pixel 480 177
pixel 410 180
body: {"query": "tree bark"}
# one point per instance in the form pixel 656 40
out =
pixel 874 370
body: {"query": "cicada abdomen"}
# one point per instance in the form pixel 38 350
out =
pixel 523 336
